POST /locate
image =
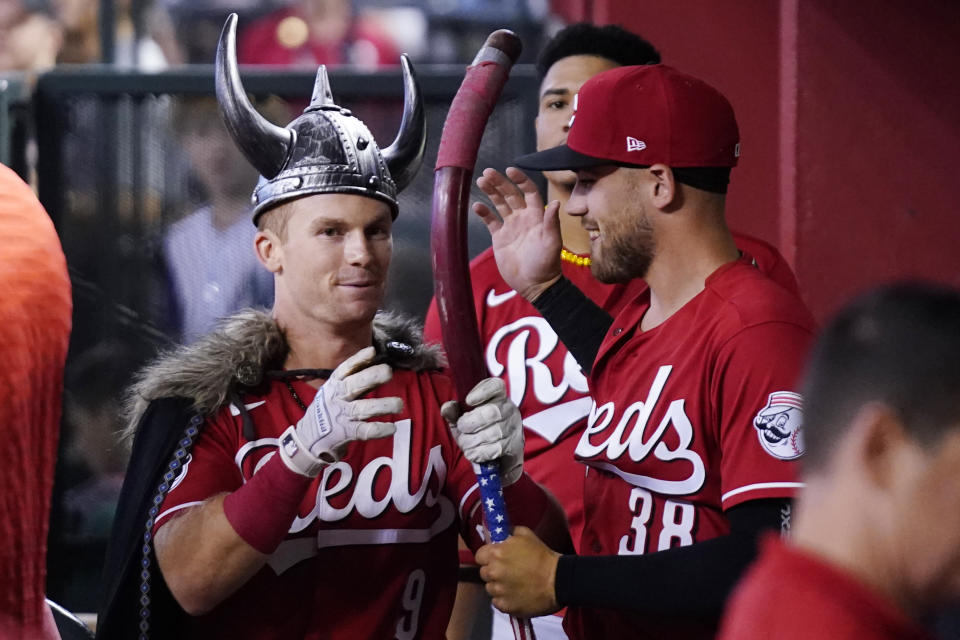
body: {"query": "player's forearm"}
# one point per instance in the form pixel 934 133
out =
pixel 692 581
pixel 202 558
pixel 531 505
pixel 208 553
pixel 580 324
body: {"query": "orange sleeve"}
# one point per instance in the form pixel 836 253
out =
pixel 35 319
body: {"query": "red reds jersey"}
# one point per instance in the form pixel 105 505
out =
pixel 820 602
pixel 274 40
pixel 543 379
pixel 690 418
pixel 373 550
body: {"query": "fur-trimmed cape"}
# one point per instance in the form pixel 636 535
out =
pixel 243 348
pixel 166 408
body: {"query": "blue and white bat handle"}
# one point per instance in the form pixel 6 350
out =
pixel 498 526
pixel 494 508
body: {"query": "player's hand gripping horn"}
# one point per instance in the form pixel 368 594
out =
pixel 453 175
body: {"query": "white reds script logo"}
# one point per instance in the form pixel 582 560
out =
pixel 183 472
pixel 779 425
pixel 340 477
pixel 629 436
pixel 520 337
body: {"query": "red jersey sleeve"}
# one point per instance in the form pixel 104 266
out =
pixel 758 411
pixel 208 470
pixel 769 260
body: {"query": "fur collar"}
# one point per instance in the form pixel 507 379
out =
pixel 242 348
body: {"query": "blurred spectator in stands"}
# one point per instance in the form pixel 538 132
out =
pixel 152 50
pixel 197 23
pixel 90 470
pixel 312 32
pixel 29 40
pixel 208 254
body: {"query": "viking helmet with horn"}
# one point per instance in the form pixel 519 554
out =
pixel 326 149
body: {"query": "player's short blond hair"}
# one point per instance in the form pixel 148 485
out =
pixel 275 220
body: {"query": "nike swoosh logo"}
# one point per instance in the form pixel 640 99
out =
pixel 495 299
pixel 235 412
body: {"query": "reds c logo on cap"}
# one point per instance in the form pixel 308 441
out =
pixel 778 425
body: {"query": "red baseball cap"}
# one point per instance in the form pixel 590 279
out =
pixel 643 115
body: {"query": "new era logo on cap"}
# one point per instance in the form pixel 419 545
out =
pixel 635 145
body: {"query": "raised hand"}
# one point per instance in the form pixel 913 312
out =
pixel 338 415
pixel 526 236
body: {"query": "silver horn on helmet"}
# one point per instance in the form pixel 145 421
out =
pixel 324 150
pixel 405 154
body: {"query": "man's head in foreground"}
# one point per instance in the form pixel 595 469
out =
pixel 882 430
pixel 645 142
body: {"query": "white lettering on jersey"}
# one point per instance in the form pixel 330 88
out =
pixel 339 477
pixel 552 422
pixel 547 391
pixel 185 465
pixel 627 436
pixel 412 599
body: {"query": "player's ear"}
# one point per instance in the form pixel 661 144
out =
pixel 880 443
pixel 269 250
pixel 663 187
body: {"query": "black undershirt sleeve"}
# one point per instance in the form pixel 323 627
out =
pixel 578 321
pixel 691 581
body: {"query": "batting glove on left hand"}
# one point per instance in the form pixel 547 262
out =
pixel 339 414
pixel 492 429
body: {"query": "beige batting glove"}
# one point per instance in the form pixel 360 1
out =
pixel 339 415
pixel 491 430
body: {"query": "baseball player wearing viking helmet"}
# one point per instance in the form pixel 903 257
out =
pixel 292 475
